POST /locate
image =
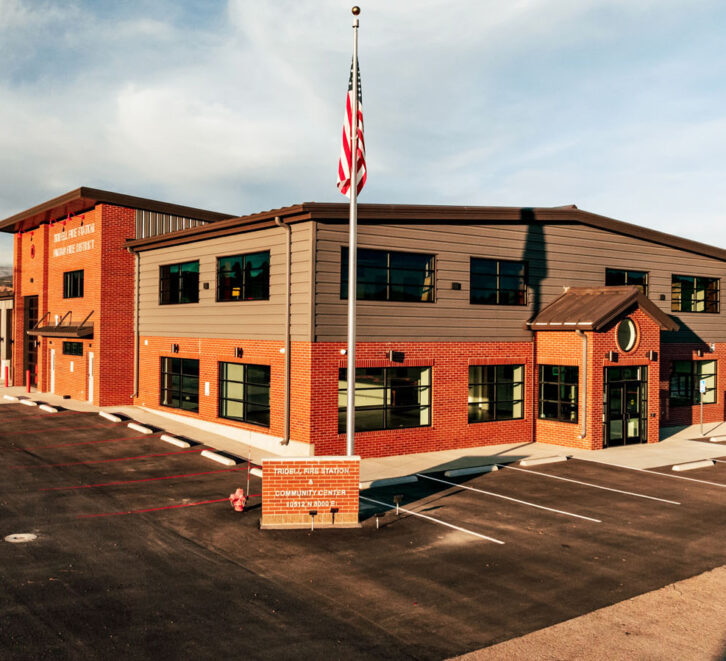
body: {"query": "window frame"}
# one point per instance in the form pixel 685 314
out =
pixel 560 401
pixel 429 271
pixel 178 291
pixel 520 292
pixel 70 348
pixel 244 285
pixel 73 283
pixel 245 383
pixel 627 273
pixel 691 379
pixel 425 374
pixel 495 383
pixel 677 300
pixel 180 389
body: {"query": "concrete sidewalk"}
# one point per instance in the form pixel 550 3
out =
pixel 677 445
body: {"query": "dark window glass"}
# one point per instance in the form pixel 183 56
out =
pixel 390 276
pixel 179 283
pixel 685 382
pixel 618 278
pixel 558 392
pixel 387 398
pixel 180 383
pixel 692 294
pixel 73 284
pixel 496 392
pixel 496 282
pixel 244 277
pixel 73 348
pixel 244 393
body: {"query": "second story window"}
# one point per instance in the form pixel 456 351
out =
pixel 73 284
pixel 244 277
pixel 179 283
pixel 618 278
pixel 390 276
pixel 497 282
pixel 692 294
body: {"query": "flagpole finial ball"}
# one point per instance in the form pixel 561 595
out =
pixel 355 10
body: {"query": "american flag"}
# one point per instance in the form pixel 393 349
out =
pixel 344 165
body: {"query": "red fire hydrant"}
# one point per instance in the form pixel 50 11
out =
pixel 238 500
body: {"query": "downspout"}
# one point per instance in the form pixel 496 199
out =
pixel 136 327
pixel 583 433
pixel 288 253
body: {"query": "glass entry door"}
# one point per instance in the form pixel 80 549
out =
pixel 31 343
pixel 626 405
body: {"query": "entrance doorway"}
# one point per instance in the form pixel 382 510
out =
pixel 626 406
pixel 31 343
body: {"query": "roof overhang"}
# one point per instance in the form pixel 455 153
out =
pixel 83 199
pixel 593 308
pixel 81 332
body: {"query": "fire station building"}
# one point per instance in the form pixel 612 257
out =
pixel 476 325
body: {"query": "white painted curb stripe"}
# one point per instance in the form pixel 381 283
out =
pixel 175 441
pixel 538 461
pixel 49 408
pixel 595 486
pixel 28 402
pixel 472 470
pixel 139 428
pixel 388 482
pixel 11 398
pixel 109 416
pixel 691 465
pixel 227 461
pixel 257 472
pixel 431 518
pixel 514 500
pixel 652 472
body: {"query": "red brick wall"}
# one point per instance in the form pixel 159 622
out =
pixel 291 488
pixel 108 292
pixel 565 348
pixel 691 415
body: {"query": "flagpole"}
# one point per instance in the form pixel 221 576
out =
pixel 352 251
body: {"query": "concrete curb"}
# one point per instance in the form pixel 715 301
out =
pixel 109 416
pixel 691 465
pixel 472 470
pixel 257 472
pixel 713 439
pixel 10 398
pixel 28 402
pixel 538 461
pixel 48 408
pixel 387 482
pixel 175 441
pixel 219 458
pixel 139 428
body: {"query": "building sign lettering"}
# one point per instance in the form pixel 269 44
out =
pixel 71 234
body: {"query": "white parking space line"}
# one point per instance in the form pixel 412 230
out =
pixel 590 484
pixel 651 472
pixel 514 500
pixel 431 518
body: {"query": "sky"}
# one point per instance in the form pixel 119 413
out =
pixel 617 106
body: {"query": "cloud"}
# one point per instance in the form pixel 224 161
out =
pixel 237 106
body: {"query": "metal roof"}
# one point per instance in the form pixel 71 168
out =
pixel 593 308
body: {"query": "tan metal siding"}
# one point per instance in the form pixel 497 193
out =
pixel 255 320
pixel 558 255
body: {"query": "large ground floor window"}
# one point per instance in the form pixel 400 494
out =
pixel 387 398
pixel 244 393
pixel 180 383
pixel 685 382
pixel 558 392
pixel 496 392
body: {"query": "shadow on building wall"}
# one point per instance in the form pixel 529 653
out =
pixel 535 256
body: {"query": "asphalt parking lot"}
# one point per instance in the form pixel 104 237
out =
pixel 139 553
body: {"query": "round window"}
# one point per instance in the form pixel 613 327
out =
pixel 627 334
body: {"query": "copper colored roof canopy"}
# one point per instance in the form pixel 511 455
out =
pixel 593 308
pixel 63 331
